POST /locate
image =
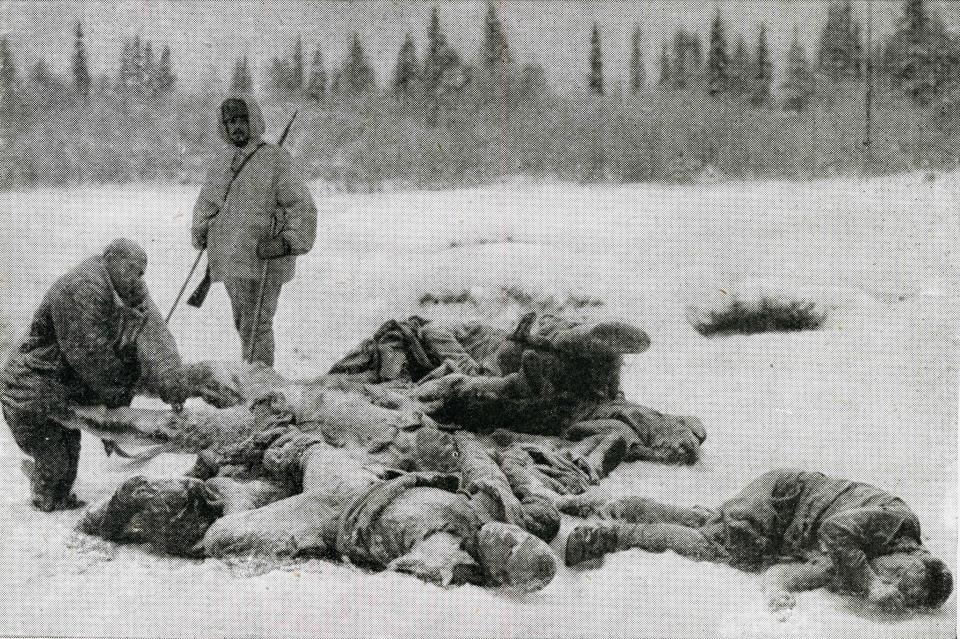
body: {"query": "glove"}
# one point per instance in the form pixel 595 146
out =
pixel 222 389
pixel 273 248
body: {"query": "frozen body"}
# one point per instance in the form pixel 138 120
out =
pixel 847 535
pixel 880 372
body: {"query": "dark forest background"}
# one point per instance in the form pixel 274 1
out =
pixel 714 105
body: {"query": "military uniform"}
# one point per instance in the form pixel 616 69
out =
pixel 249 195
pixel 783 515
pixel 78 351
pixel 406 351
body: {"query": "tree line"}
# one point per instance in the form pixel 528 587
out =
pixel 921 58
pixel 442 117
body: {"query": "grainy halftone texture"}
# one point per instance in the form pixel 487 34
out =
pixel 662 206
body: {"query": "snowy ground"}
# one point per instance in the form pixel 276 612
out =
pixel 871 397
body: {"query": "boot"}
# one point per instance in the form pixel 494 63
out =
pixel 589 542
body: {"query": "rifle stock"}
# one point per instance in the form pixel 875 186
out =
pixel 199 295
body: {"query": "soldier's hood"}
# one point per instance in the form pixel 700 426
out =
pixel 254 114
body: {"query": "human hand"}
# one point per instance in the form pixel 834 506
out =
pixel 434 393
pixel 885 596
pixel 272 248
pixel 216 385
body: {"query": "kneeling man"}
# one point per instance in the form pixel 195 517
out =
pixel 95 340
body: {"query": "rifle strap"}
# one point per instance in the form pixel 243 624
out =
pixel 236 173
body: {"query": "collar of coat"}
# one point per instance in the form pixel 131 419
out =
pixel 119 301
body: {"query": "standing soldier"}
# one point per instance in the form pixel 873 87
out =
pixel 252 208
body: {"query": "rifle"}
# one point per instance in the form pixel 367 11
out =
pixel 199 294
pixel 263 270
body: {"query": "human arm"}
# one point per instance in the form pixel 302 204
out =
pixel 299 228
pixel 781 581
pixel 443 346
pixel 481 474
pixel 854 536
pixel 80 313
pixel 206 208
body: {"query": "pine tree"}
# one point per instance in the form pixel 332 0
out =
pixel 920 56
pixel 242 80
pixel 495 56
pixel 841 48
pixel 81 70
pixel 717 63
pixel 443 73
pixel 406 76
pixel 762 71
pixel 533 81
pixel 137 83
pixel 148 79
pixel 316 89
pixel 279 74
pixel 595 78
pixel 163 77
pixel 355 77
pixel 8 74
pixel 797 85
pixel 433 64
pixel 125 71
pixel 694 59
pixel 687 59
pixel 297 67
pixel 666 66
pixel 740 69
pixel 854 43
pixel 46 89
pixel 637 71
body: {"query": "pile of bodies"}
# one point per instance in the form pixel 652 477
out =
pixel 449 453
pixel 372 462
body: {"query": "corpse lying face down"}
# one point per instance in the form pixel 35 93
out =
pixel 446 452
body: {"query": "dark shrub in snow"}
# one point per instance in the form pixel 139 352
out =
pixel 763 316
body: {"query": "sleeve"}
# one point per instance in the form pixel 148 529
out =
pixel 300 213
pixel 851 537
pixel 443 345
pixel 162 368
pixel 206 208
pixel 80 317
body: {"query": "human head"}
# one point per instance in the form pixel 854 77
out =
pixel 923 580
pixel 435 450
pixel 515 558
pixel 240 105
pixel 236 120
pixel 171 514
pixel 126 262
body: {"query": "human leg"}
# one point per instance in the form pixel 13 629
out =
pixel 636 510
pixel 55 451
pixel 244 295
pixel 593 541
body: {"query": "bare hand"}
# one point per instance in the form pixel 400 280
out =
pixel 886 597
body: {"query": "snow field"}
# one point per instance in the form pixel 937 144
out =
pixel 871 397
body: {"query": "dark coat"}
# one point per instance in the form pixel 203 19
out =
pixel 406 351
pixel 797 514
pixel 73 352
